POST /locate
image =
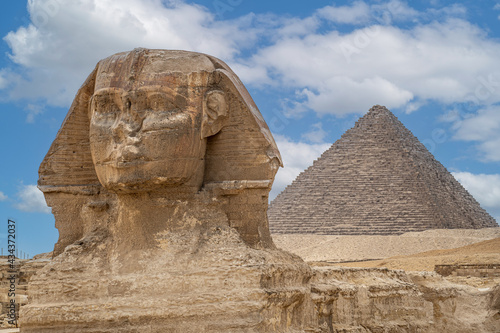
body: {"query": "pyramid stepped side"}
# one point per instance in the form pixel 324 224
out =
pixel 378 179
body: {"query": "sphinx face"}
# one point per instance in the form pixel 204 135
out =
pixel 147 137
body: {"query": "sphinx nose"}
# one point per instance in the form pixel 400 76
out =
pixel 128 125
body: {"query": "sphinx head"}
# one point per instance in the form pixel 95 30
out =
pixel 150 119
pixel 150 115
pixel 172 123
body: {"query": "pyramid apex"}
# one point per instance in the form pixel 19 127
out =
pixel 379 109
pixel 378 115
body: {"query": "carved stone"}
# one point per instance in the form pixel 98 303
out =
pixel 159 180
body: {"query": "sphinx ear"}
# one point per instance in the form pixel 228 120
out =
pixel 214 113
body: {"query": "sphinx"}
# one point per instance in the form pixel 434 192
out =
pixel 159 180
pixel 163 124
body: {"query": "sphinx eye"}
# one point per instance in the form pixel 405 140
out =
pixel 104 108
pixel 160 102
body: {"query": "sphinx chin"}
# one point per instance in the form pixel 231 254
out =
pixel 121 185
pixel 150 176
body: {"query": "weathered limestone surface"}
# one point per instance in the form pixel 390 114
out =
pixel 25 269
pixel 343 300
pixel 366 300
pixel 164 124
pixel 478 270
pixel 377 179
pixel 199 282
pixel 159 180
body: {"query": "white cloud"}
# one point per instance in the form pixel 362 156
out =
pixel 413 106
pixel 297 156
pixel 3 197
pixel 31 200
pixel 484 188
pixel 347 73
pixel 394 10
pixel 254 75
pixel 358 13
pixel 456 10
pixel 316 135
pixel 490 149
pixel 341 95
pixel 3 79
pixel 296 27
pixel 436 57
pixel 483 127
pixel 67 38
pixel 33 110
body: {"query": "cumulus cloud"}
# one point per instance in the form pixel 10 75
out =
pixel 395 10
pixel 31 200
pixel 297 156
pixel 482 127
pixel 414 106
pixel 3 197
pixel 3 79
pixel 341 95
pixel 457 10
pixel 293 27
pixel 436 56
pixel 485 188
pixel 358 12
pixel 33 110
pixel 66 38
pixel 346 73
pixel 316 135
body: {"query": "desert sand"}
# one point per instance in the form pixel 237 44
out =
pixel 336 248
pixel 485 252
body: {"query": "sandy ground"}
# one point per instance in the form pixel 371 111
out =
pixel 410 252
pixel 485 252
pixel 334 248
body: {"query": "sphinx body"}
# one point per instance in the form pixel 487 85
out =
pixel 159 180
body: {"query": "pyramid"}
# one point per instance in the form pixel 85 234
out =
pixel 377 179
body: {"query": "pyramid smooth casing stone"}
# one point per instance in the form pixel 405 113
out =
pixel 377 179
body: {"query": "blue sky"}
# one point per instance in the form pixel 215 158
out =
pixel 313 69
